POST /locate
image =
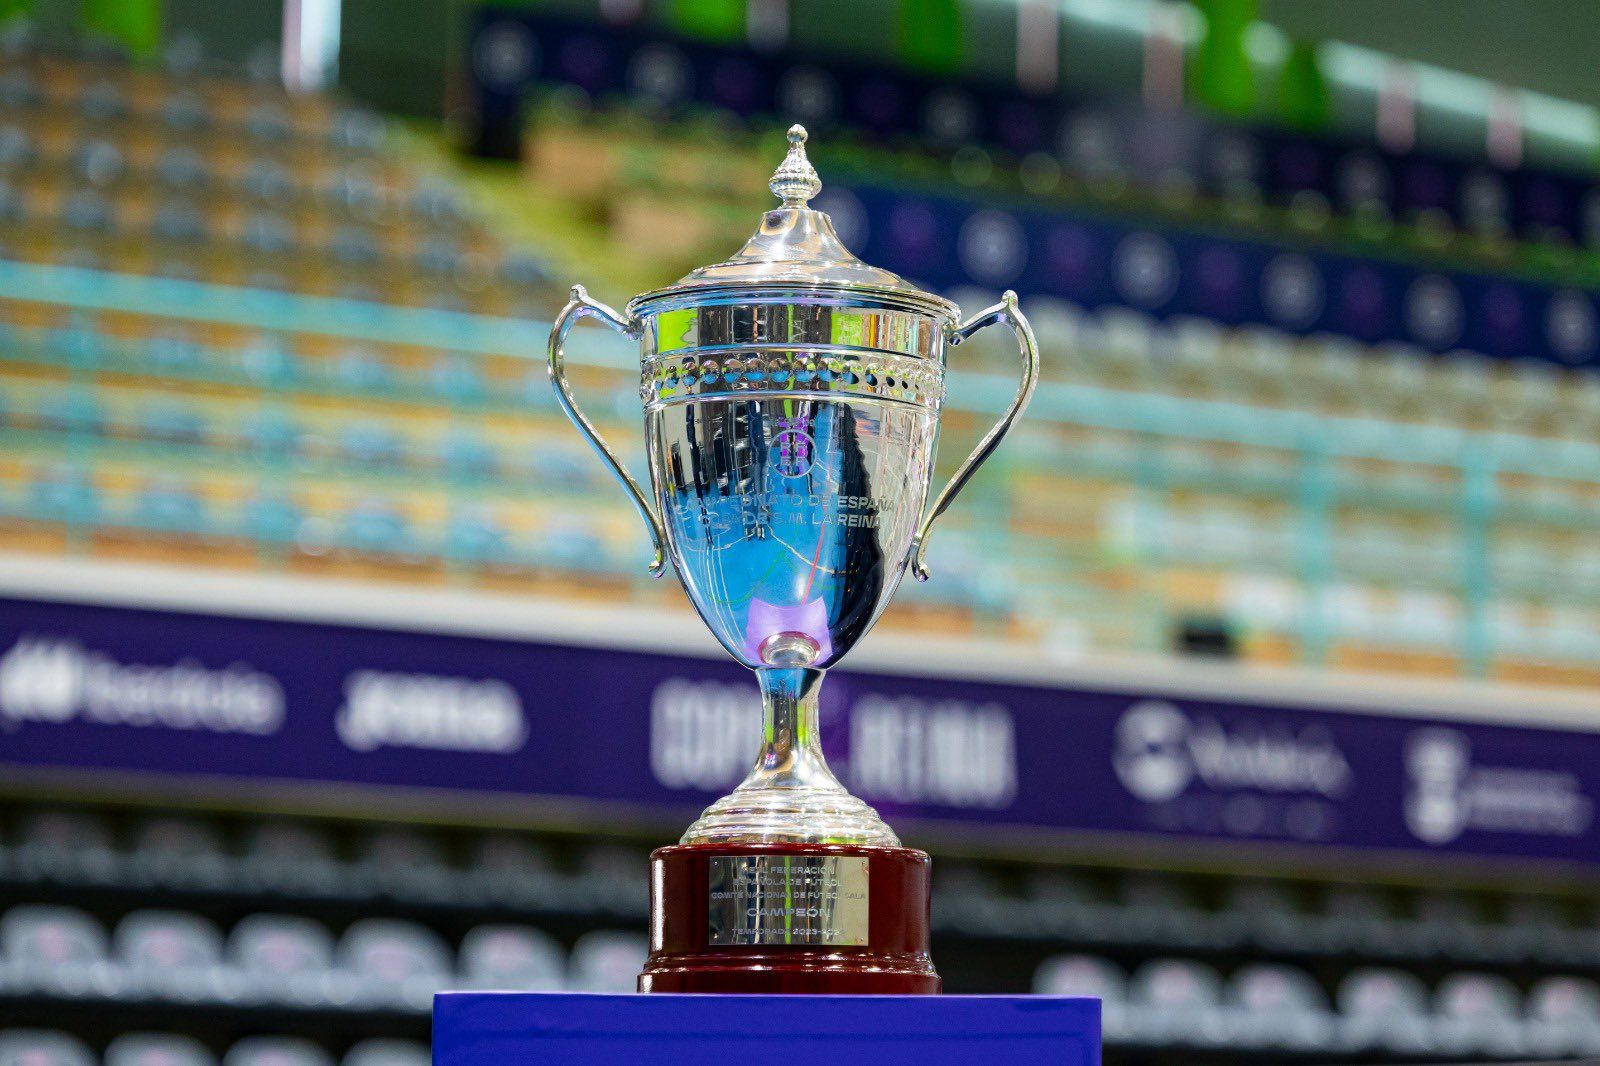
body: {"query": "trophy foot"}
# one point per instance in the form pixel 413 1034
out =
pixel 789 919
pixel 785 815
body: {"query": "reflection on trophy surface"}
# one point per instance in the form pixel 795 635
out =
pixel 791 400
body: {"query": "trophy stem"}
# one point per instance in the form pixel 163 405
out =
pixel 791 741
pixel 790 796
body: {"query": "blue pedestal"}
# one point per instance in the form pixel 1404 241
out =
pixel 567 1029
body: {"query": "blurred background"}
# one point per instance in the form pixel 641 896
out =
pixel 1256 686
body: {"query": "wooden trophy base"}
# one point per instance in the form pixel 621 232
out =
pixel 789 919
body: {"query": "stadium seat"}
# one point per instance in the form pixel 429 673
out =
pixel 268 121
pixel 294 858
pixel 173 350
pixel 1536 928
pixel 66 846
pixel 512 870
pixel 439 255
pixel 474 537
pixel 169 506
pixel 604 961
pixel 356 129
pixel 185 111
pixel 1178 1001
pixel 157 1049
pixel 63 494
pixel 1059 902
pixel 468 454
pixel 179 220
pixel 272 432
pixel 13 202
pixel 613 877
pixel 1085 975
pixel 281 958
pixel 89 210
pixel 268 181
pixel 97 161
pixel 376 526
pixel 1562 1017
pixel 276 1051
pixel 168 954
pixel 1453 926
pixel 378 1051
pixel 406 864
pixel 354 245
pixel 1158 910
pixel 523 270
pixel 511 957
pixel 1384 1009
pixel 271 519
pixel 267 231
pixel 372 443
pixel 103 101
pixel 181 168
pixel 18 89
pixel 394 964
pixel 559 467
pixel 56 950
pixel 1272 1005
pixel 43 1047
pixel 1476 1013
pixel 457 379
pixel 1358 917
pixel 362 368
pixel 357 190
pixel 268 359
pixel 1265 913
pixel 174 423
pixel 17 148
pixel 179 852
pixel 73 412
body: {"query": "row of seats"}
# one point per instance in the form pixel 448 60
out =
pixel 1391 595
pixel 278 959
pixel 115 97
pixel 115 160
pixel 302 860
pixel 48 1047
pixel 204 172
pixel 1268 916
pixel 185 97
pixel 1269 1005
pixel 1122 347
pixel 335 444
pixel 171 352
pixel 361 523
pixel 172 355
pixel 1112 349
pixel 176 221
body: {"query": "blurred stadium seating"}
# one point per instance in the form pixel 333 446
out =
pixel 225 940
pixel 1298 498
pixel 267 332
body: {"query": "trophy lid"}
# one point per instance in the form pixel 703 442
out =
pixel 795 248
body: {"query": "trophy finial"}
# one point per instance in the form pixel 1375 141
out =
pixel 795 181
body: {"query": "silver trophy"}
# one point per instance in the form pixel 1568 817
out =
pixel 791 398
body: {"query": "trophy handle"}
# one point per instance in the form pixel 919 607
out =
pixel 1005 311
pixel 580 306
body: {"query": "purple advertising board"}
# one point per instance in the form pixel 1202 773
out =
pixel 88 690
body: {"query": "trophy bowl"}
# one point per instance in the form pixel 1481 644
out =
pixel 791 397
